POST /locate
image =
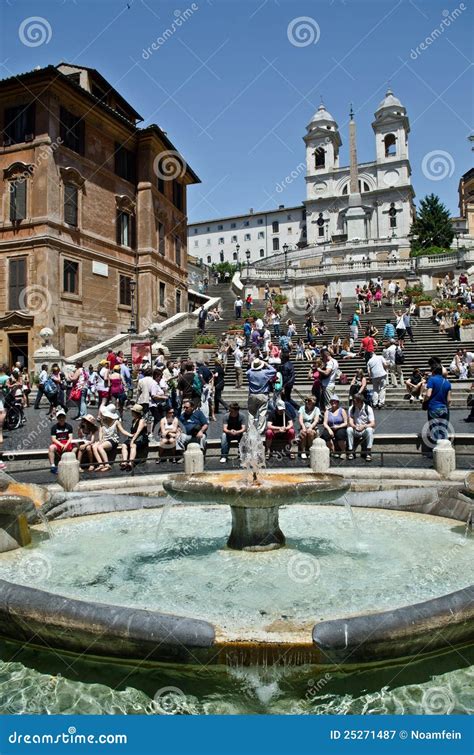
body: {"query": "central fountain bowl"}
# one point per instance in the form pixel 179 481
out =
pixel 255 502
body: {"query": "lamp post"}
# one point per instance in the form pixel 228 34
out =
pixel 133 326
pixel 285 252
pixel 247 254
pixel 237 247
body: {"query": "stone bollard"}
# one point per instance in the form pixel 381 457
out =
pixel 444 457
pixel 68 471
pixel 319 456
pixel 193 459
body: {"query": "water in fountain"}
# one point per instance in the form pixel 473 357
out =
pixel 45 521
pixel 252 451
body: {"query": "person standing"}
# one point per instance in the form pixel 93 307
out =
pixel 377 369
pixel 367 346
pixel 338 305
pixel 219 384
pixel 261 377
pixel 42 378
pixel 78 393
pixel 407 323
pixel 202 317
pixel 437 400
pixel 239 373
pixel 328 372
pixel 238 307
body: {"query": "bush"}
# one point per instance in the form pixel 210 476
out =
pixel 255 313
pixel 205 340
pixel 280 299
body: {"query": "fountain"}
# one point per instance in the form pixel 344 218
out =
pixel 255 496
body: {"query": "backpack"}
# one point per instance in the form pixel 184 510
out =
pixel 399 356
pixel 197 384
pixel 50 388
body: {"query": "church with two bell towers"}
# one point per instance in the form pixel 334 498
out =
pixel 362 205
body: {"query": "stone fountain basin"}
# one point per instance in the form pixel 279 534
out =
pixel 46 619
pixel 271 489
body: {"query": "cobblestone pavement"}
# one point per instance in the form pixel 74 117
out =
pixel 35 434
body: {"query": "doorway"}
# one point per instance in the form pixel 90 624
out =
pixel 18 348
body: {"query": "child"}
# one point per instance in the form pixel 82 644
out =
pixel 299 350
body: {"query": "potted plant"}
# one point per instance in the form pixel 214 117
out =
pixel 205 341
pixel 235 328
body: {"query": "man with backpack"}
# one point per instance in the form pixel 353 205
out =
pixel 42 378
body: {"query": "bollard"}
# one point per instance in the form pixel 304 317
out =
pixel 319 456
pixel 68 471
pixel 444 458
pixel 193 459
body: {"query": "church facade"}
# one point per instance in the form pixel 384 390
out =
pixel 363 202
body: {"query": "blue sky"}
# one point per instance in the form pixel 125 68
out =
pixel 234 91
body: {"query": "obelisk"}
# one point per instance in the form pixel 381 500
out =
pixel 355 215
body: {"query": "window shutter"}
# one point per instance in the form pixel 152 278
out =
pixel 118 228
pixel 18 200
pixel 70 204
pixel 16 282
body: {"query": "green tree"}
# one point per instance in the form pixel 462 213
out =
pixel 432 226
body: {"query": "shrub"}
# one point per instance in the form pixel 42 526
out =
pixel 205 340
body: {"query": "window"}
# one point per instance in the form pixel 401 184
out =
pixel 195 230
pixel 260 221
pixel 178 301
pixel 321 231
pixel 390 145
pixel 320 158
pixel 288 217
pixel 124 229
pixel 246 223
pixel 221 240
pixel 161 239
pixel 392 213
pixel 71 195
pixel 234 239
pixel 290 229
pixel 247 237
pixel 162 294
pixel 275 226
pixel 19 124
pixel 221 256
pixel 125 291
pixel 124 163
pixel 276 245
pixel 234 256
pixel 70 277
pixel 233 225
pixel 71 130
pixel 261 234
pixel 209 259
pixel 178 195
pixel 220 227
pixel 363 186
pixel 196 243
pixel 262 253
pixel 17 200
pixel 177 251
pixel 208 229
pixel 16 282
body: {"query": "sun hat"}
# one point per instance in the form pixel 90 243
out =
pixel 110 411
pixel 137 409
pixel 90 419
pixel 280 405
pixel 103 362
pixel 257 364
pixel 116 368
pixel 60 413
pixel 335 398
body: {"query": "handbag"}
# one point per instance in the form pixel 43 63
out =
pixel 75 394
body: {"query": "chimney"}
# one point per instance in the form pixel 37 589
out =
pixel 281 206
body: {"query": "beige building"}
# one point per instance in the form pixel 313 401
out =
pixel 466 204
pixel 93 214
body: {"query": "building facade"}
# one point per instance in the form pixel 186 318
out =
pixel 93 221
pixel 464 224
pixel 262 233
pixel 385 200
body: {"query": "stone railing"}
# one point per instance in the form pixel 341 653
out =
pixel 157 332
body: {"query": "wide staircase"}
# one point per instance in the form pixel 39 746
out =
pixel 428 342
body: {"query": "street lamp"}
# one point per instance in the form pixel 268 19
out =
pixel 237 247
pixel 133 326
pixel 285 252
pixel 247 254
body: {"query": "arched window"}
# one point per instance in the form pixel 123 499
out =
pixel 262 253
pixel 392 213
pixel 320 158
pixel 209 259
pixel 234 256
pixel 221 256
pixel 390 145
pixel 363 186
